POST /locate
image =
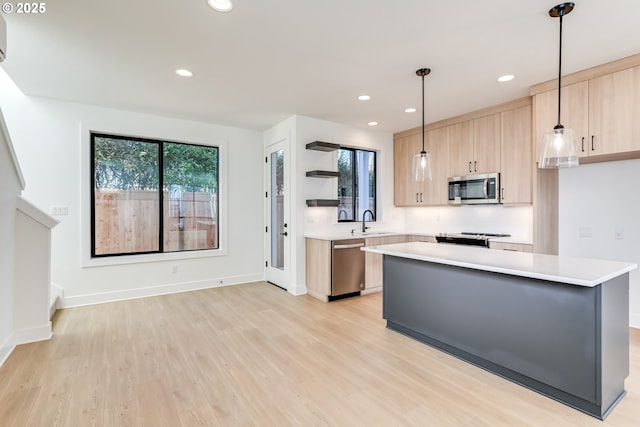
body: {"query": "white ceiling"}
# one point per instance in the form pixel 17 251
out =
pixel 269 59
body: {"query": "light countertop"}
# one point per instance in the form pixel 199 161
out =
pixel 571 270
pixel 345 235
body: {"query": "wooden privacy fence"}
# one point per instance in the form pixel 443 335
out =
pixel 127 221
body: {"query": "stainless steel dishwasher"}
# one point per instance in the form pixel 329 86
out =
pixel 347 266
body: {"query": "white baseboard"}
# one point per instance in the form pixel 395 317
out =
pixel 6 348
pixel 126 294
pixel 34 334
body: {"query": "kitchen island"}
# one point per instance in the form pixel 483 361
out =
pixel 557 325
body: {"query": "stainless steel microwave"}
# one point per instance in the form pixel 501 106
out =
pixel 474 189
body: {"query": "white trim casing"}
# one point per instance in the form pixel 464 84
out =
pixel 85 197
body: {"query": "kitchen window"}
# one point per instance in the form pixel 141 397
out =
pixel 356 184
pixel 151 196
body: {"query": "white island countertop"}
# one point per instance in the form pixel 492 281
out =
pixel 571 270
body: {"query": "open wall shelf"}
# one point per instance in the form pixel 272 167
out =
pixel 319 203
pixel 323 174
pixel 322 146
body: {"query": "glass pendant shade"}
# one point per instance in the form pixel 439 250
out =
pixel 421 167
pixel 558 150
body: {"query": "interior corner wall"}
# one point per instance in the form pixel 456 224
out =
pixel 47 137
pixel 319 219
pixel 598 217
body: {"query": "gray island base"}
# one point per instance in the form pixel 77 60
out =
pixel 565 341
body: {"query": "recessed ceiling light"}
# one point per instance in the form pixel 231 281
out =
pixel 364 97
pixel 184 73
pixel 373 123
pixel 410 110
pixel 506 78
pixel 220 5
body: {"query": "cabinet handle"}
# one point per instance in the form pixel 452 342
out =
pixel 593 147
pixel 469 166
pixel 417 200
pixel 583 144
pixel 475 166
pixel 420 197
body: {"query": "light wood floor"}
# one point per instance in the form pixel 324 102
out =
pixel 254 355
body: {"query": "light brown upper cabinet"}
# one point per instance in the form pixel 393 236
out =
pixel 575 114
pixel 475 146
pixel 436 190
pixel 614 109
pixel 602 111
pixel 515 159
pixel 428 193
pixel 406 191
pixel 494 139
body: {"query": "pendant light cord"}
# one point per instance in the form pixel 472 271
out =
pixel 560 14
pixel 423 152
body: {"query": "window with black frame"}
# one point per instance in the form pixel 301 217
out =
pixel 356 183
pixel 150 196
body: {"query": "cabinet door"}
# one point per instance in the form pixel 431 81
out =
pixel 575 109
pixel 515 161
pixel 461 148
pixel 614 108
pixel 486 144
pixel 405 190
pixel 437 144
pixel 373 262
pixel 318 268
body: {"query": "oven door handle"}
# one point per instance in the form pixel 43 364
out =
pixel 485 188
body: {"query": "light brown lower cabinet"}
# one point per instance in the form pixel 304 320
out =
pixel 373 262
pixel 318 268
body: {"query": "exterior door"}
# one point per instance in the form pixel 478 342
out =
pixel 278 230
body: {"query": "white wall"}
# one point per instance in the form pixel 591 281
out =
pixel 48 137
pixel 514 220
pixel 10 188
pixel 602 200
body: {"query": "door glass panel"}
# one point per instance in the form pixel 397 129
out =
pixel 277 209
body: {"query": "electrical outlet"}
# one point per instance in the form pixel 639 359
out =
pixel 174 269
pixel 618 234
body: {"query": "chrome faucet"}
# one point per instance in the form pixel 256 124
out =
pixel 373 218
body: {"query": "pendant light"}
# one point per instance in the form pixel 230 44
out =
pixel 421 166
pixel 558 148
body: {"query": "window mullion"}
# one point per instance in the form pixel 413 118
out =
pixel 161 196
pixel 354 180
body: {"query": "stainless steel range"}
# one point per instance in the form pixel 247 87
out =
pixel 468 238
